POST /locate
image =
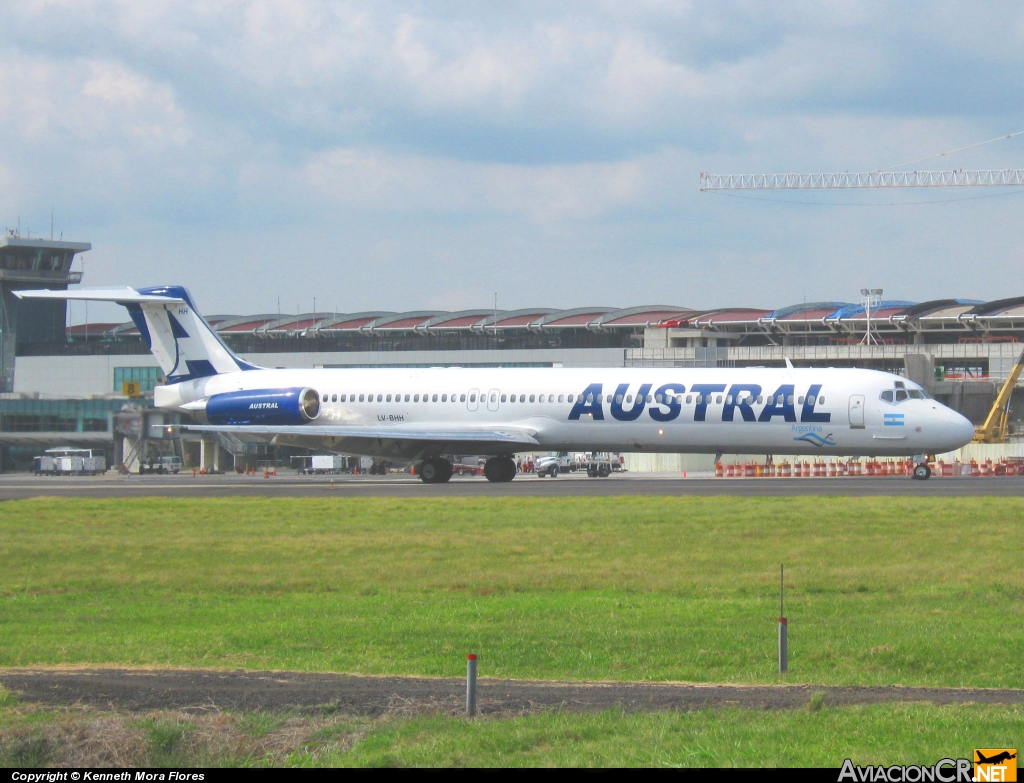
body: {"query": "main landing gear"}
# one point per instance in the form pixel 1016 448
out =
pixel 500 469
pixel 435 470
pixel 922 472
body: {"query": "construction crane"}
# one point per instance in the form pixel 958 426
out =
pixel 864 180
pixel 886 177
pixel 996 428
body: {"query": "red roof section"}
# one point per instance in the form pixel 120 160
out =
pixel 304 324
pixel 84 329
pixel 407 323
pixel 877 313
pixel 575 320
pixel 521 320
pixel 652 316
pixel 248 326
pixel 733 316
pixel 355 323
pixel 466 320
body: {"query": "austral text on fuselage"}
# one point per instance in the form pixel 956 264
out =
pixel 255 406
pixel 666 404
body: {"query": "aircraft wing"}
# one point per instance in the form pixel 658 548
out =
pixel 393 441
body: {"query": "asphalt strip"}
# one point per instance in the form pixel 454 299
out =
pixel 141 690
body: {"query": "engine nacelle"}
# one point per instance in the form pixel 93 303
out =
pixel 263 406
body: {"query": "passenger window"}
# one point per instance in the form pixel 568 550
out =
pixel 561 398
pixel 360 398
pixel 886 395
pixel 810 400
pixel 650 398
pixel 789 399
pixel 380 398
pixel 472 398
pixel 700 399
pixel 503 398
pixel 569 398
pixel 718 399
pixel 325 398
pixel 728 399
pixel 494 397
pixel 388 398
pixel 444 398
pixel 800 400
pixel 434 398
pixel 821 401
pixel 760 399
pixel 416 398
pixel 462 398
pixel 901 395
pixel 531 398
pixel 618 399
pixel 689 398
pixel 658 398
pixel 551 398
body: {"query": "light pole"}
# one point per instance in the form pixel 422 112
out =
pixel 870 297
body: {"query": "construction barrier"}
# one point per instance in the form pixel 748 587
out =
pixel 869 467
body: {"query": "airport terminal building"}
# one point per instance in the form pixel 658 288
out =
pixel 63 385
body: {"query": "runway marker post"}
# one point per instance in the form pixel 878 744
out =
pixel 470 685
pixel 783 625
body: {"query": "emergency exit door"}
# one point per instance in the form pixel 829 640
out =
pixel 857 411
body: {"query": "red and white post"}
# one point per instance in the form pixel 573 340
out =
pixel 783 626
pixel 470 685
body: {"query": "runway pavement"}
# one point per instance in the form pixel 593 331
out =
pixel 288 484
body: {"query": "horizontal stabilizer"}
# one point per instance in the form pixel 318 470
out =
pixel 123 295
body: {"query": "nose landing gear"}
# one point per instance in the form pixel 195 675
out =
pixel 922 472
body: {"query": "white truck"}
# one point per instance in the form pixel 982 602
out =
pixel 326 463
pixel 64 461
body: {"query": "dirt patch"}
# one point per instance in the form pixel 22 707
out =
pixel 201 691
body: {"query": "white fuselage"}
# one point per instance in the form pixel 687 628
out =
pixel 726 410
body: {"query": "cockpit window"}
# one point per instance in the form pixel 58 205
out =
pixel 917 395
pixel 901 395
pixel 887 395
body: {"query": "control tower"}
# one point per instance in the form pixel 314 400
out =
pixel 32 263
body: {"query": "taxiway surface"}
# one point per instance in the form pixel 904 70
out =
pixel 18 486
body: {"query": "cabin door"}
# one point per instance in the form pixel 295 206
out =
pixel 857 411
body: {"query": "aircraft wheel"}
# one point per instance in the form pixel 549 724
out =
pixel 494 469
pixel 430 471
pixel 446 470
pixel 922 472
pixel 510 469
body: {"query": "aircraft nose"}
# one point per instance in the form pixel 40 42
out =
pixel 960 427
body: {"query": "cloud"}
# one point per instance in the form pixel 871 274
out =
pixel 173 133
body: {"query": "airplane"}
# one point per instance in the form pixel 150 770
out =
pixel 996 759
pixel 427 415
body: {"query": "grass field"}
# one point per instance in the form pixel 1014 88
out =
pixel 881 591
pixel 878 734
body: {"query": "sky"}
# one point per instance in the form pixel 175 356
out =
pixel 419 156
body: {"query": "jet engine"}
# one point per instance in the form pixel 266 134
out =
pixel 263 406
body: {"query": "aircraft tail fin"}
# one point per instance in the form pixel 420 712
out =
pixel 184 344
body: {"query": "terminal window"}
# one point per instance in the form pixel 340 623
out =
pixel 146 377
